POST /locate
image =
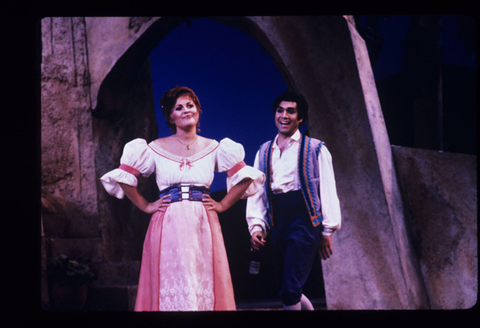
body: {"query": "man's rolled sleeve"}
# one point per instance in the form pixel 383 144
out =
pixel 328 193
pixel 256 211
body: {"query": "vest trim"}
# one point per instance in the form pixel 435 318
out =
pixel 306 181
pixel 307 162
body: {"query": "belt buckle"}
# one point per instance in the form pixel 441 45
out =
pixel 185 191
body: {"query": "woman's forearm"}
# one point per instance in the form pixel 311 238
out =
pixel 140 202
pixel 135 197
pixel 235 193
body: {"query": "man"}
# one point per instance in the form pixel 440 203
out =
pixel 298 204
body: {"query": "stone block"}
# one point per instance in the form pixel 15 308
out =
pixel 117 273
pixel 113 298
pixel 86 248
pixel 440 194
pixel 65 219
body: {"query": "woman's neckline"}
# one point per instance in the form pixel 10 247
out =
pixel 211 146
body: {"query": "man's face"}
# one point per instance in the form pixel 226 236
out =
pixel 286 118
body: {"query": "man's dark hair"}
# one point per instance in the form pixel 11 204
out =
pixel 302 105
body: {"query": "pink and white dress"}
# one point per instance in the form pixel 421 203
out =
pixel 184 262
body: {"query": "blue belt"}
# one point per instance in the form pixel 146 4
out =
pixel 181 191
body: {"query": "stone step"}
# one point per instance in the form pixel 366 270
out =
pixel 65 219
pixel 123 273
pixel 122 298
pixel 273 304
pixel 86 248
pixel 111 298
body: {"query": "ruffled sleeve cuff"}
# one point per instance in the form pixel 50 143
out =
pixel 135 161
pixel 111 181
pixel 230 158
pixel 246 172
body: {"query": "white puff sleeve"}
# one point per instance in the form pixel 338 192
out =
pixel 230 156
pixel 136 160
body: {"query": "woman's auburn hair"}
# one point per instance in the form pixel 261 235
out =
pixel 169 100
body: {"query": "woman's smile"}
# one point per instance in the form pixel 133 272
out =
pixel 184 112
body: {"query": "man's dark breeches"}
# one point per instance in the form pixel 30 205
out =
pixel 296 240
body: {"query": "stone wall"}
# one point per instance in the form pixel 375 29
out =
pixel 67 146
pixel 440 195
pixel 125 111
pixel 69 203
pixel 78 147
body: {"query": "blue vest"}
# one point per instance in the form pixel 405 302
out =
pixel 308 151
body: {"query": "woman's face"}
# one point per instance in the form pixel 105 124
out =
pixel 185 113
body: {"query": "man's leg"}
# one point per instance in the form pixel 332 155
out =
pixel 297 240
pixel 300 249
pixel 304 305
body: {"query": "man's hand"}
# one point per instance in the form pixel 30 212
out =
pixel 257 240
pixel 325 249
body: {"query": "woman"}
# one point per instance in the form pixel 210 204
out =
pixel 184 263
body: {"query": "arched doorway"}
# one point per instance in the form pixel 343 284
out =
pixel 235 79
pixel 127 97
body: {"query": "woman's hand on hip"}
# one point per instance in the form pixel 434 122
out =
pixel 157 205
pixel 212 205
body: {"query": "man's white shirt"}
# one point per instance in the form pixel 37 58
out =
pixel 285 178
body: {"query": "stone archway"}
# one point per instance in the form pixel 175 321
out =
pixel 124 98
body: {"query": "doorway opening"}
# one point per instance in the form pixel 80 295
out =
pixel 236 81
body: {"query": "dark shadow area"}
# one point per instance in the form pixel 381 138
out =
pixel 458 107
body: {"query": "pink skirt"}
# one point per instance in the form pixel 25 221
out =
pixel 184 262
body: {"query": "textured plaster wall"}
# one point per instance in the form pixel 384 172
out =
pixel 69 203
pixel 108 39
pixel 67 145
pixel 440 193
